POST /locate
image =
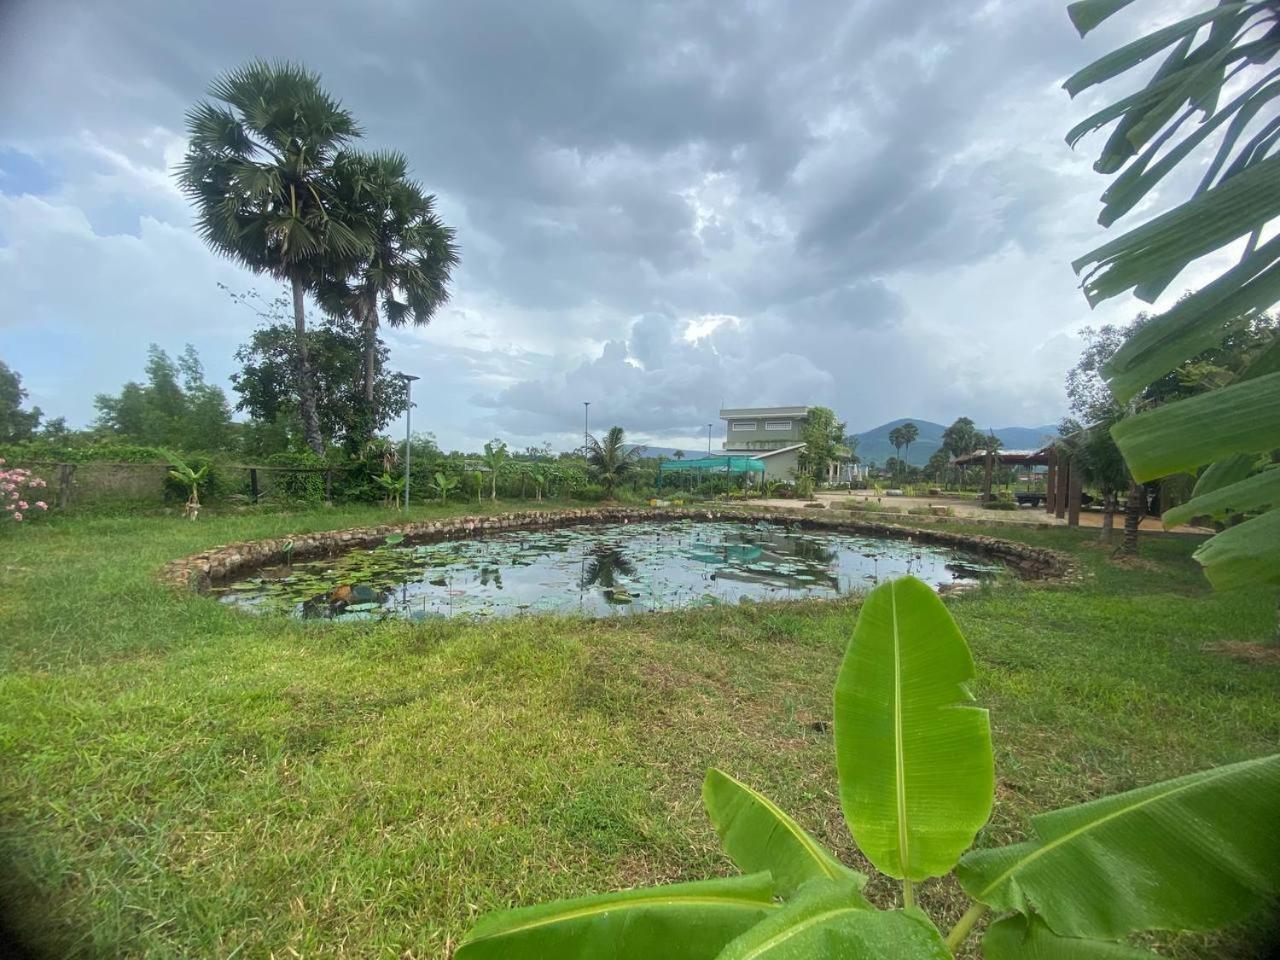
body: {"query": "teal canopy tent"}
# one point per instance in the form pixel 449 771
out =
pixel 726 466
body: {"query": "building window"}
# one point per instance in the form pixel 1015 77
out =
pixel 777 424
pixel 744 425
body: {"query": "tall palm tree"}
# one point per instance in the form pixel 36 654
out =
pixel 403 274
pixel 909 432
pixel 257 169
pixel 611 459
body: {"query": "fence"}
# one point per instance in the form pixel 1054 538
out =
pixel 102 483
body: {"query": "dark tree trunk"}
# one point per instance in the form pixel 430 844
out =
pixel 369 323
pixel 306 385
pixel 1108 516
pixel 1132 517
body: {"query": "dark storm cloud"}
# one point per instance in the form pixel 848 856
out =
pixel 617 172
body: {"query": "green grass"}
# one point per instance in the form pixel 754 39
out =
pixel 179 780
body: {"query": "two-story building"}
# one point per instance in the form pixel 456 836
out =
pixel 774 435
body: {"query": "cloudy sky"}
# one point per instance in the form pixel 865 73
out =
pixel 662 207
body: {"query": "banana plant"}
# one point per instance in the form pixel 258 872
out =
pixel 443 485
pixel 393 487
pixel 916 777
pixel 191 479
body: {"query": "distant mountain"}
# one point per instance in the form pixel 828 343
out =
pixel 874 444
pixel 655 452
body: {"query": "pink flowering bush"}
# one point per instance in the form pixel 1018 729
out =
pixel 16 485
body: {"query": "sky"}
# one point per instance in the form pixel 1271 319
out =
pixel 662 208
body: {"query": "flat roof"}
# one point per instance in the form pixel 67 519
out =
pixel 732 412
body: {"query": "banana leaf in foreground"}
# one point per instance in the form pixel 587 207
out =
pixel 1017 938
pixel 683 921
pixel 914 755
pixel 1193 853
pixel 759 836
pixel 831 921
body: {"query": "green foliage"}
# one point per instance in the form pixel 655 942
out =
pixel 612 460
pixel 496 460
pixel 914 759
pixel 16 424
pixel 914 756
pixel 175 407
pixel 301 484
pixel 1236 200
pixel 684 920
pixel 443 484
pixel 823 436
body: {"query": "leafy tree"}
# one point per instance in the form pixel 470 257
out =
pixel 495 460
pixel 960 439
pixel 15 423
pixel 1227 48
pixel 443 485
pixel 403 274
pixel 612 460
pixel 677 455
pixel 258 169
pixel 175 407
pixel 937 466
pixel 267 382
pixel 822 435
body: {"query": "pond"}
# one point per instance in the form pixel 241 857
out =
pixel 596 570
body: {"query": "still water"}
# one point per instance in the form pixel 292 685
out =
pixel 596 570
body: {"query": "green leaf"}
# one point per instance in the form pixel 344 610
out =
pixel 1232 209
pixel 1193 853
pixel 916 776
pixel 683 920
pixel 759 836
pixel 1223 473
pixel 1131 54
pixel 1087 14
pixel 1196 323
pixel 1244 554
pixel 1181 437
pixel 1022 938
pixel 1266 362
pixel 394 539
pixel 832 920
pixel 1250 495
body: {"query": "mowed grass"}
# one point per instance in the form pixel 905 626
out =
pixel 180 780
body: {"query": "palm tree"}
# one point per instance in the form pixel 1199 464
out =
pixel 612 460
pixel 403 274
pixel 909 433
pixel 257 169
pixel 495 458
pixel 897 438
pixel 677 455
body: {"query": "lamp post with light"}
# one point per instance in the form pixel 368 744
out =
pixel 407 379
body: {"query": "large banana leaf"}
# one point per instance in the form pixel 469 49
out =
pixel 831 921
pixel 914 756
pixel 1193 853
pixel 1181 437
pixel 685 921
pixel 1087 14
pixel 1244 554
pixel 1254 493
pixel 1020 938
pixel 759 836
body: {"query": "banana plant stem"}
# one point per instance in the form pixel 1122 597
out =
pixel 964 925
pixel 908 894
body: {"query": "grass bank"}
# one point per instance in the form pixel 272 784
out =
pixel 179 780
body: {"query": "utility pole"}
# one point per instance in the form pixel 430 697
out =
pixel 708 439
pixel 586 431
pixel 408 379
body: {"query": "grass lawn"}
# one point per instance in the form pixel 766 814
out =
pixel 180 780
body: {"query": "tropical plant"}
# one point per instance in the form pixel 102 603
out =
pixel 1220 64
pixel 910 433
pixel 16 424
pixel 443 485
pixel 258 169
pixel 392 488
pixel 612 459
pixel 190 478
pixel 822 435
pixel 677 455
pixel 539 477
pixel 403 274
pixel 495 460
pixel 916 776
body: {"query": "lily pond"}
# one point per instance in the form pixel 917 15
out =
pixel 596 570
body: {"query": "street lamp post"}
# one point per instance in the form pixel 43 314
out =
pixel 408 379
pixel 586 431
pixel 708 439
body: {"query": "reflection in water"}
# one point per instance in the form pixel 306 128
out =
pixel 597 570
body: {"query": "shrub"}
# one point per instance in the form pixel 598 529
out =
pixel 1194 853
pixel 18 494
pixel 589 493
pixel 298 486
pixel 1000 505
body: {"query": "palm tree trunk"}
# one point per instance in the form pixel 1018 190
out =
pixel 306 391
pixel 1132 518
pixel 1108 516
pixel 370 371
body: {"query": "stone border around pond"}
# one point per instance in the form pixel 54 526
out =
pixel 201 571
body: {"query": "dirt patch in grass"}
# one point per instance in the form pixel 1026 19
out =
pixel 1246 650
